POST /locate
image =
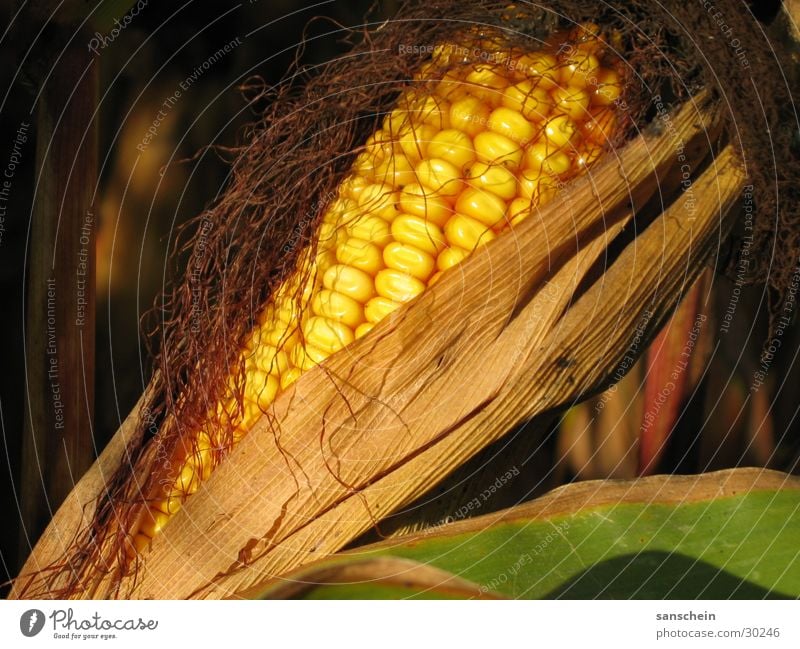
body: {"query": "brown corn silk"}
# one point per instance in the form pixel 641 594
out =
pixel 251 241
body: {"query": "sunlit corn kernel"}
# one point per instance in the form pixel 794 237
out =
pixel 452 145
pixel 496 179
pixel 579 70
pixel 600 126
pixel 540 67
pixel 327 334
pixel 537 188
pixel 290 376
pixel 465 232
pixel 270 358
pixel 395 122
pixel 431 109
pixel 560 130
pixel 396 170
pixel 587 155
pixel 380 144
pixel 585 33
pixel 494 148
pixel 512 124
pixel 338 306
pixel 397 285
pixel 363 329
pixel 267 392
pixel 304 357
pixel 365 164
pixel 414 140
pixel 281 335
pixel 534 103
pixel 408 259
pixel 379 199
pixel 360 254
pixel 609 87
pixel 450 256
pixel 186 483
pixel 518 210
pixel 379 307
pixel 547 159
pixel 418 232
pixel 469 115
pixel 487 83
pixel 169 505
pixel 482 206
pixel 352 187
pixel 443 178
pixel 369 227
pixel 572 102
pixel 424 203
pixel 350 281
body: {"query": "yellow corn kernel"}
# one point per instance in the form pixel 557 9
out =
pixel 378 199
pixel 326 334
pixel 282 335
pixel 560 130
pixel 453 146
pixel 267 391
pixel 486 83
pixel 541 67
pixel 534 103
pixel 609 87
pixel 518 210
pixel 572 102
pixel 512 124
pixel 408 259
pixel 422 234
pixel 537 188
pixel 363 329
pixel 543 158
pixel 337 306
pixel 441 177
pixel 424 203
pixel 360 254
pixel 579 70
pixel 600 126
pixel 396 170
pixel 352 187
pixel 397 285
pixel 306 356
pixel 469 115
pixel 369 227
pixel 378 308
pixel 586 156
pixel 269 358
pixel 350 281
pixel 430 109
pixel 493 178
pixel 449 257
pixel 481 206
pixel 154 521
pixel 414 140
pixel 465 232
pixel 497 149
pixel 290 376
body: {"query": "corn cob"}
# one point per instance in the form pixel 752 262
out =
pixel 477 145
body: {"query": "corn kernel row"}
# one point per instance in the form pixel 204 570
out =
pixel 468 152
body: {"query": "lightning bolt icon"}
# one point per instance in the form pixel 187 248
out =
pixel 32 620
